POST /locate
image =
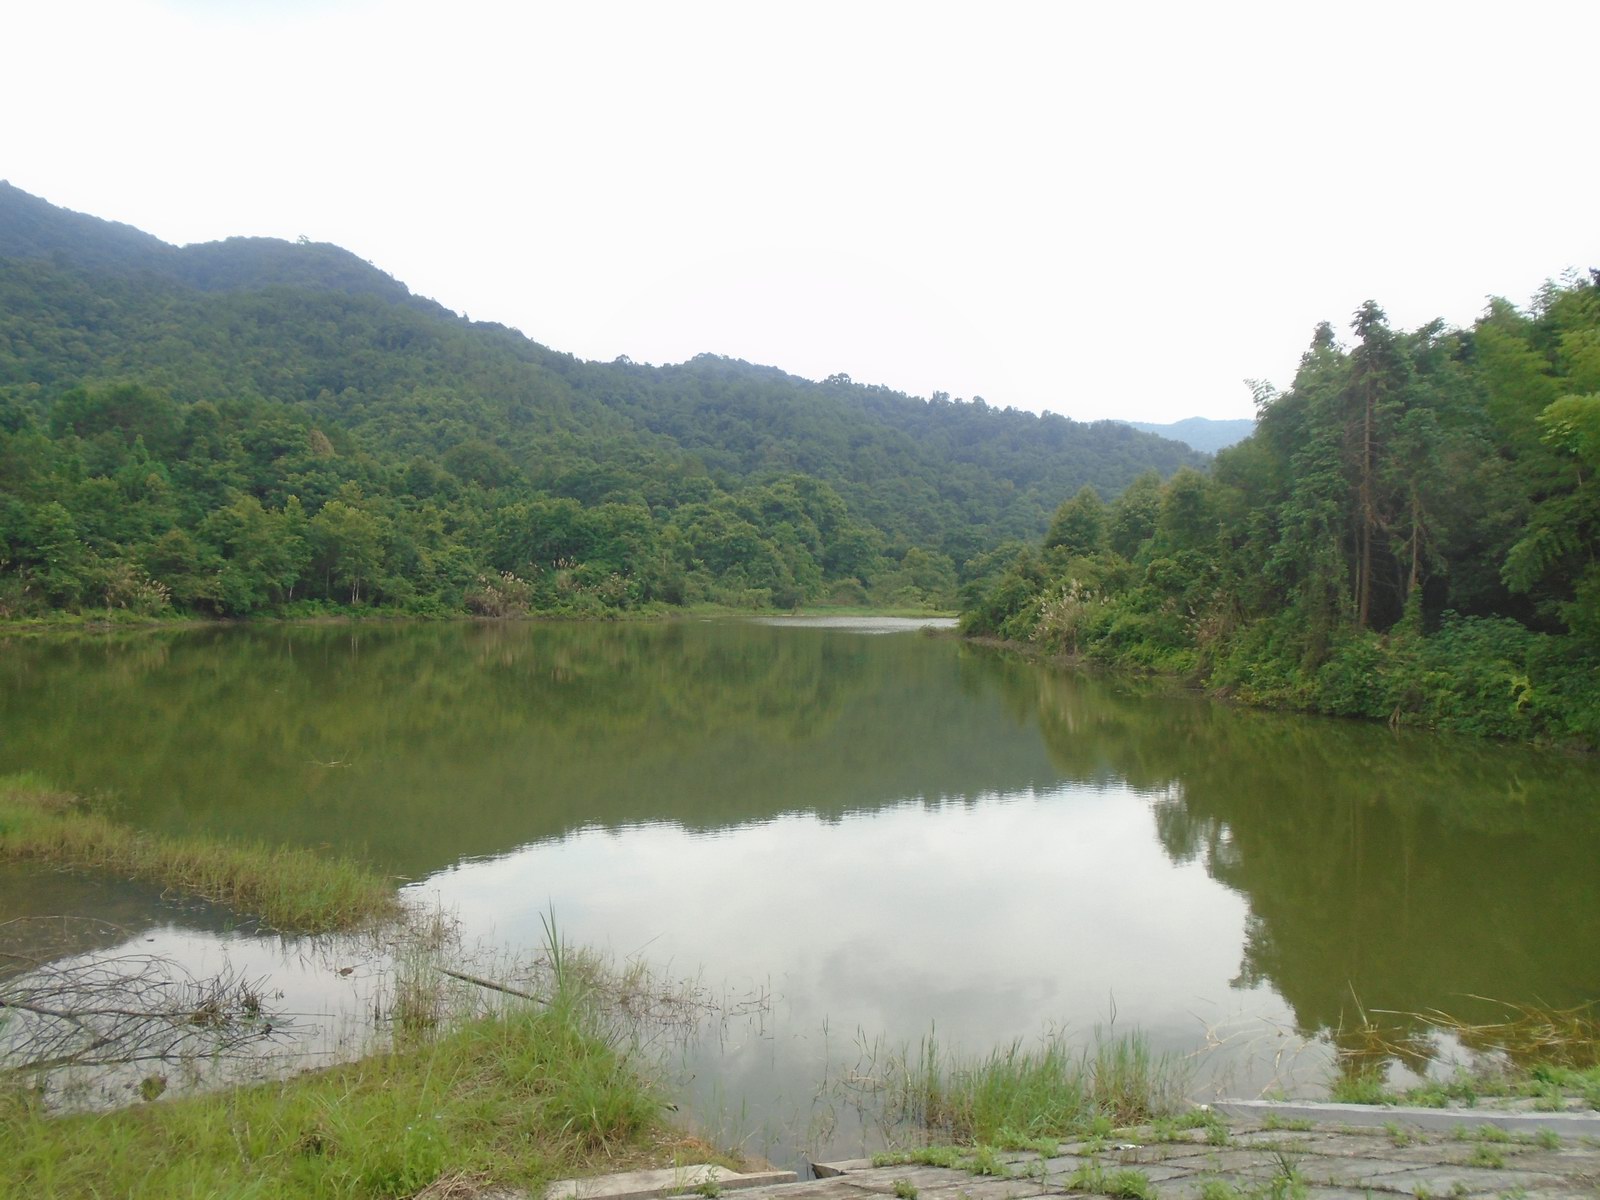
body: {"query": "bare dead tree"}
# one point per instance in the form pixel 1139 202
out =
pixel 113 1009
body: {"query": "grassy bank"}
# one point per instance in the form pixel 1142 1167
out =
pixel 286 888
pixel 513 1098
pixel 462 1089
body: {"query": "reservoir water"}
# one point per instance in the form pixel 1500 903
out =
pixel 851 833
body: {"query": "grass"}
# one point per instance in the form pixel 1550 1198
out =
pixel 511 1097
pixel 1293 1124
pixel 1019 1096
pixel 1550 1085
pixel 925 1156
pixel 1126 1182
pixel 517 1098
pixel 286 888
pixel 1182 1127
pixel 1363 1086
pixel 1283 1186
pixel 982 1159
pixel 1484 1155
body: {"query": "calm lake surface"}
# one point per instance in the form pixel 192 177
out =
pixel 851 832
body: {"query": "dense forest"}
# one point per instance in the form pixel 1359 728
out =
pixel 1410 534
pixel 254 426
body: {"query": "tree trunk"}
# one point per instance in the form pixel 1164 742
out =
pixel 1368 518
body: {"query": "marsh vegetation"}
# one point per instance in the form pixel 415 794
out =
pixel 295 890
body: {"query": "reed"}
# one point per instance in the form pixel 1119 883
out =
pixel 1546 1053
pixel 1019 1095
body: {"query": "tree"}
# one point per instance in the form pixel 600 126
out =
pixel 347 544
pixel 1188 519
pixel 58 555
pixel 1079 525
pixel 1377 376
pixel 1134 514
pixel 263 553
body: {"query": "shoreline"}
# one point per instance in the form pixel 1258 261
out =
pixel 78 623
pixel 1173 684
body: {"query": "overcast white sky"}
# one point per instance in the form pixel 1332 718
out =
pixel 1103 210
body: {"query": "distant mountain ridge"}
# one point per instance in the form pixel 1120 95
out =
pixel 31 228
pixel 259 344
pixel 35 228
pixel 1201 433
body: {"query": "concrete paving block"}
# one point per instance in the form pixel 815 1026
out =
pixel 646 1185
pixel 1335 1162
pixel 1469 1181
pixel 1216 1160
pixel 1093 1146
pixel 842 1167
pixel 1279 1137
pixel 1023 1156
pixel 1154 1172
pixel 1441 1120
pixel 1064 1164
pixel 884 1179
pixel 1354 1172
pixel 812 1189
pixel 987 1189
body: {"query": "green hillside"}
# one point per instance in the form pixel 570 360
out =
pixel 255 425
pixel 1411 534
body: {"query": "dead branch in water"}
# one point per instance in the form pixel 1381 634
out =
pixel 104 1010
pixel 489 983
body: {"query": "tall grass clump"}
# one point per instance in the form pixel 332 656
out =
pixel 1018 1094
pixel 287 888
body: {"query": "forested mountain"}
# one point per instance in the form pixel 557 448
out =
pixel 252 425
pixel 1412 533
pixel 1201 433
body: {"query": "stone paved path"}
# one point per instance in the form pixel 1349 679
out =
pixel 1260 1153
pixel 1259 1160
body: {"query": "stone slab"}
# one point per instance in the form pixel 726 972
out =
pixel 1335 1160
pixel 1470 1181
pixel 667 1181
pixel 829 1170
pixel 968 1188
pixel 1063 1164
pixel 1437 1120
pixel 885 1179
pixel 1354 1172
pixel 836 1188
